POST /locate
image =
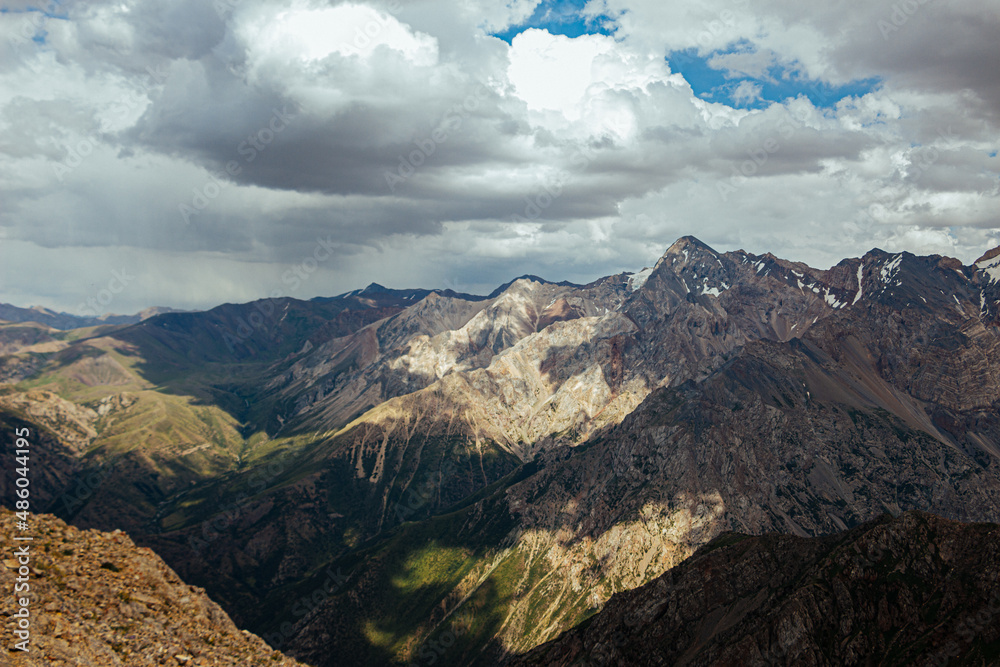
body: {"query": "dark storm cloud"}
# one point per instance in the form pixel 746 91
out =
pixel 931 47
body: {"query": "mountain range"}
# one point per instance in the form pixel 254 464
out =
pixel 479 475
pixel 65 321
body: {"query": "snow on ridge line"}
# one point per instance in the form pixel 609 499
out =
pixel 637 280
pixel 991 267
pixel 989 263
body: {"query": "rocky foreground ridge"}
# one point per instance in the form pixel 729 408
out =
pixel 98 600
pixel 911 590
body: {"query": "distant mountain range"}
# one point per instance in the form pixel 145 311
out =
pixel 64 321
pixel 488 472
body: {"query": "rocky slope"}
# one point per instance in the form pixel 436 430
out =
pixel 987 276
pixel 30 337
pixel 435 337
pixel 97 600
pixel 914 590
pixel 503 466
pixel 540 366
pixel 889 402
pixel 168 402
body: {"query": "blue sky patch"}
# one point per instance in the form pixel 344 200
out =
pixel 560 17
pixel 778 84
pixel 30 25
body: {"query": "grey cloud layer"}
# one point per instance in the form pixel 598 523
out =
pixel 175 127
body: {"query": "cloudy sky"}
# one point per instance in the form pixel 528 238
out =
pixel 194 152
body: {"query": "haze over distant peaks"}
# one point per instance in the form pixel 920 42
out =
pixel 64 321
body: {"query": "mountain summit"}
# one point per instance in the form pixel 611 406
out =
pixel 988 255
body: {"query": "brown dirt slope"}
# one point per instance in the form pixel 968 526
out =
pixel 97 600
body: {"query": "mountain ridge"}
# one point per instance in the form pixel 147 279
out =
pixel 553 423
pixel 65 321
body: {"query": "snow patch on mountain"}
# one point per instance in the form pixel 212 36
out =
pixel 861 289
pixel 714 291
pixel 637 280
pixel 991 267
pixel 889 270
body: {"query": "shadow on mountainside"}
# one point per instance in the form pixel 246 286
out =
pixel 915 589
pixel 779 439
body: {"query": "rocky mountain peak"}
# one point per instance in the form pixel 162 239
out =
pixel 688 245
pixel 904 280
pixel 614 426
pixel 694 260
pixel 990 265
pixel 432 297
pixel 988 255
pixel 530 278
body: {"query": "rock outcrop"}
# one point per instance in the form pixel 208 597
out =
pixel 98 600
pixel 912 590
